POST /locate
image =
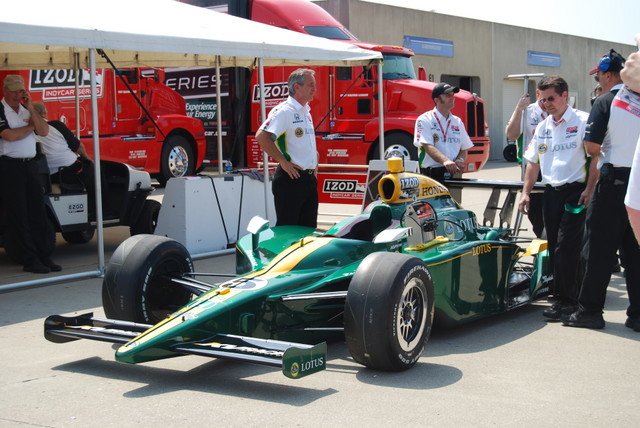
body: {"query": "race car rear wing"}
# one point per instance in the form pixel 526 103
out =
pixel 295 359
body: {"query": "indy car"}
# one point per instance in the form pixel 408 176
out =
pixel 378 280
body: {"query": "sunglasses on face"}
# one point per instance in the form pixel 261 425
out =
pixel 550 99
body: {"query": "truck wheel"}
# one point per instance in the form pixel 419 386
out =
pixel 403 144
pixel 148 218
pixel 510 153
pixel 79 236
pixel 177 159
pixel 137 285
pixel 389 311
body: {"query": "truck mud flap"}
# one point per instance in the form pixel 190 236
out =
pixel 295 359
pixel 59 329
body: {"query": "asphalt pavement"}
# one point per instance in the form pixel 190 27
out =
pixel 513 369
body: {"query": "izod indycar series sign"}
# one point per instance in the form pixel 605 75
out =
pixel 339 187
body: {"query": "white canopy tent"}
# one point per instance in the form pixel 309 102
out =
pixel 154 33
pixel 150 33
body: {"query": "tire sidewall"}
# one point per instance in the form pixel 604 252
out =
pixel 172 142
pixel 131 273
pixel 371 311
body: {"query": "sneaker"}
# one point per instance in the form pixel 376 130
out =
pixel 633 323
pixel 51 265
pixel 557 310
pixel 36 267
pixel 581 318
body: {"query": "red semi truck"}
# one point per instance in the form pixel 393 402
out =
pixel 163 140
pixel 345 108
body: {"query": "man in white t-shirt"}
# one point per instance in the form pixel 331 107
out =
pixel 556 151
pixel 440 136
pixel 288 137
pixel 631 77
pixel 533 114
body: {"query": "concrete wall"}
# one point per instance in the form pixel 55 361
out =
pixel 487 50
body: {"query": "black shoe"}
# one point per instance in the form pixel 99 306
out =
pixel 581 318
pixel 557 310
pixel 51 265
pixel 633 323
pixel 36 267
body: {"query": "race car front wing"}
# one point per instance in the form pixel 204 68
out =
pixel 295 359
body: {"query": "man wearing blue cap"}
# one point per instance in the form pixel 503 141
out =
pixel 612 132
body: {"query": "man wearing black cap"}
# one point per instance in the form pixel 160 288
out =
pixel 440 136
pixel 27 230
pixel 612 133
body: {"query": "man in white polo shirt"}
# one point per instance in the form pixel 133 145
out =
pixel 557 152
pixel 440 136
pixel 289 138
pixel 28 233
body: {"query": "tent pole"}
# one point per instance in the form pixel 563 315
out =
pixel 78 70
pixel 380 110
pixel 96 158
pixel 219 114
pixel 265 157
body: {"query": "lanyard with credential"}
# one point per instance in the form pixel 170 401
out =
pixel 444 131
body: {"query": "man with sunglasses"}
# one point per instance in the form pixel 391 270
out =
pixel 534 113
pixel 611 138
pixel 556 151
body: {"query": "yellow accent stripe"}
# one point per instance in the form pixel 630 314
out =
pixel 283 263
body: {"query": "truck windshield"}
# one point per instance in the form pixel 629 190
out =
pixel 326 32
pixel 397 67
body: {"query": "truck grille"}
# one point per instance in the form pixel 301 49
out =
pixel 475 119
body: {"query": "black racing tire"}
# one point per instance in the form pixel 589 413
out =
pixel 148 218
pixel 395 138
pixel 177 159
pixel 389 311
pixel 137 285
pixel 79 236
pixel 510 153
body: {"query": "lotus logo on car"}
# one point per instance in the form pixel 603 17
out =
pixel 297 362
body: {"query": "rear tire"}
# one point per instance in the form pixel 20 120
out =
pixel 405 141
pixel 148 218
pixel 389 311
pixel 177 159
pixel 137 284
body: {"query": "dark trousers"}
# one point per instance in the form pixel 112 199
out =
pixel 608 230
pixel 438 173
pixel 28 234
pixel 536 201
pixel 296 200
pixel 564 237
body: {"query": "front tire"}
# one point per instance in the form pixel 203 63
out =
pixel 389 311
pixel 137 284
pixel 177 159
pixel 79 236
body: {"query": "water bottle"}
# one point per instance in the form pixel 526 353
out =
pixel 228 167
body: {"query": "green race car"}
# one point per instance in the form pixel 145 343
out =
pixel 377 279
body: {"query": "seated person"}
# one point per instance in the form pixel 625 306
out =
pixel 66 156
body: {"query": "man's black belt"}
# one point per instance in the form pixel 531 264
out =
pixel 308 171
pixel 9 158
pixel 564 186
pixel 610 172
